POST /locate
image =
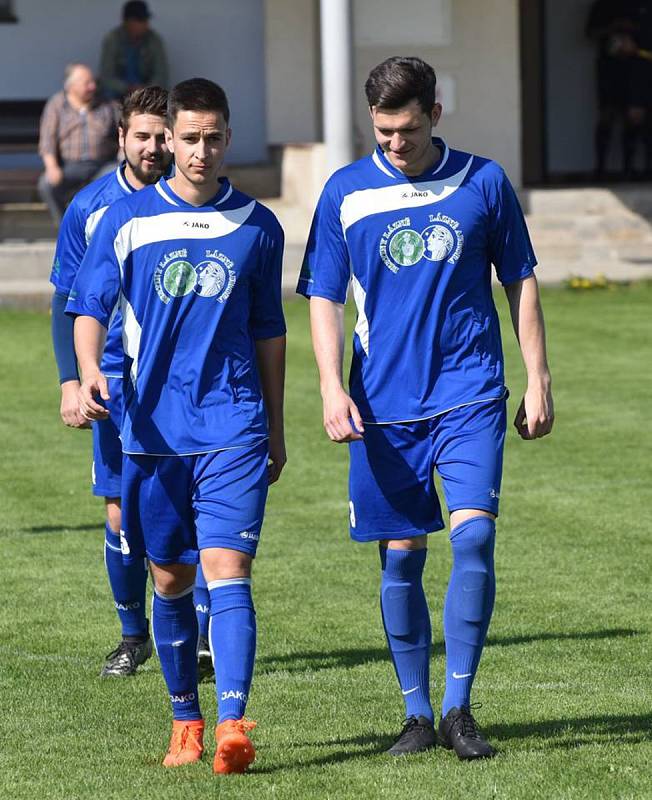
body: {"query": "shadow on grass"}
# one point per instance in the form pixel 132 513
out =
pixel 365 746
pixel 301 661
pixel 82 526
pixel 568 734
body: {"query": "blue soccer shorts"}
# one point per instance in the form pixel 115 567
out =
pixel 391 480
pixel 175 506
pixel 107 447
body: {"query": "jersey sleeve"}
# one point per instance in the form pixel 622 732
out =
pixel 510 249
pixel 70 249
pixel 266 319
pixel 96 289
pixel 326 271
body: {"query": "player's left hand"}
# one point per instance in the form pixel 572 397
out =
pixel 535 415
pixel 93 387
pixel 277 456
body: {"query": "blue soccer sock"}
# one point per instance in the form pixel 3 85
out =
pixel 232 634
pixel 128 583
pixel 407 625
pixel 174 627
pixel 468 607
pixel 201 599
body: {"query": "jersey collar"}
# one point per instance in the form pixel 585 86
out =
pixel 223 193
pixel 121 177
pixel 385 165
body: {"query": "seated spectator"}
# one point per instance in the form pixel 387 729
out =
pixel 78 138
pixel 133 55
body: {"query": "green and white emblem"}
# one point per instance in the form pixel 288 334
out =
pixel 179 278
pixel 406 247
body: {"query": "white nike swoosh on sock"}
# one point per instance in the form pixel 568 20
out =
pixel 466 675
pixel 409 691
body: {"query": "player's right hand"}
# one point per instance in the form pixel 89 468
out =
pixel 342 420
pixel 69 410
pixel 93 387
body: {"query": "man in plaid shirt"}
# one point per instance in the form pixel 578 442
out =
pixel 78 138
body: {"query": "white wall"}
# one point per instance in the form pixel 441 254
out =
pixel 292 70
pixel 216 39
pixel 481 63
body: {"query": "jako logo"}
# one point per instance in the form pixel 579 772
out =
pixel 233 695
pixel 203 225
pixel 182 698
pixel 250 535
pixel 127 606
pixel 202 609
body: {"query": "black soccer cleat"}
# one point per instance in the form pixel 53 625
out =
pixel 418 734
pixel 126 658
pixel 458 731
pixel 205 668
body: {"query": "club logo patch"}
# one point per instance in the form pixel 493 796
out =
pixel 211 278
pixel 176 276
pixel 406 247
pixel 402 246
pixel 438 242
pixel 179 278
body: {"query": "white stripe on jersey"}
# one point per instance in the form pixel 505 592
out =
pixel 365 202
pixel 362 323
pixel 378 161
pixel 92 221
pixel 165 196
pixel 131 332
pixel 140 231
pixel 123 183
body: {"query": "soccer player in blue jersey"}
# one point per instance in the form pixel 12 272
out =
pixel 414 228
pixel 195 266
pixel 142 139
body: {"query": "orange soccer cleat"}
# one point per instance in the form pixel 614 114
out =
pixel 235 750
pixel 186 743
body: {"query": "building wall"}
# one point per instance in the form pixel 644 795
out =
pixel 480 78
pixel 292 71
pixel 216 39
pixel 479 69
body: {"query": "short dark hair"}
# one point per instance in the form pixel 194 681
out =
pixel 400 79
pixel 148 100
pixel 197 94
pixel 135 9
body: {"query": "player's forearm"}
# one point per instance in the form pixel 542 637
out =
pixel 527 319
pixel 327 327
pixel 63 340
pixel 270 357
pixel 90 336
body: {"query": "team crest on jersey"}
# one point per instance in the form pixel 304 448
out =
pixel 402 246
pixel 175 276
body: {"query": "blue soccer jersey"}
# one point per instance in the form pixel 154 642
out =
pixel 196 286
pixel 418 254
pixel 77 227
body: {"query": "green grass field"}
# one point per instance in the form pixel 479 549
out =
pixel 566 678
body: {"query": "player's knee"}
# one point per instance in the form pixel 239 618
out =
pixel 222 564
pixel 113 515
pixel 474 533
pixel 171 580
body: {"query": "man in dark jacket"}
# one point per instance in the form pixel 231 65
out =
pixel 133 55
